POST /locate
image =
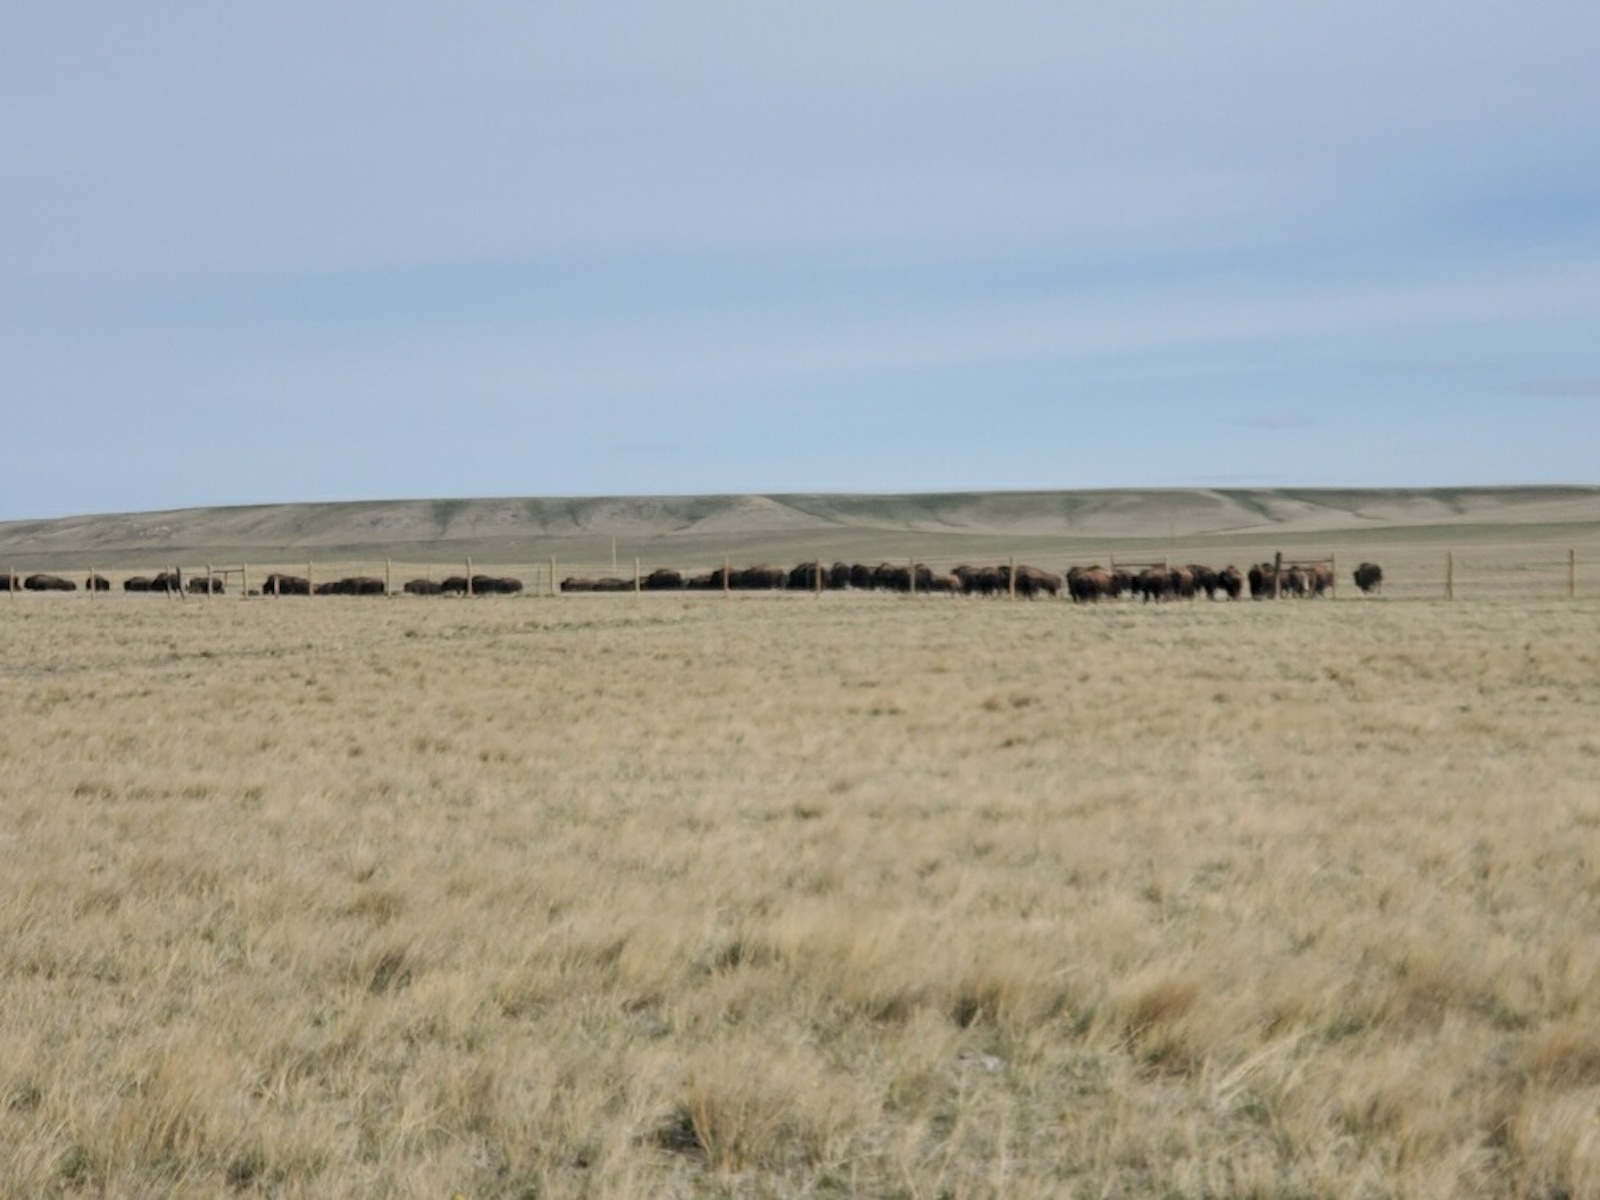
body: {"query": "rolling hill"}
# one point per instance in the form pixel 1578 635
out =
pixel 679 527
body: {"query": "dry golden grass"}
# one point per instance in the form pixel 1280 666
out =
pixel 781 895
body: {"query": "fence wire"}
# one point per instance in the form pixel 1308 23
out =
pixel 1415 572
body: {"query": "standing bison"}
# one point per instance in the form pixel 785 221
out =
pixel 1369 578
pixel 1088 585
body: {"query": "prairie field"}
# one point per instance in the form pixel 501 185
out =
pixel 783 895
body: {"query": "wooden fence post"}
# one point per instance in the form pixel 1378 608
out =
pixel 727 589
pixel 818 579
pixel 388 577
pixel 1333 560
pixel 1277 575
pixel 911 577
pixel 1011 579
pixel 469 577
pixel 638 577
pixel 209 578
pixel 553 591
pixel 1572 574
pixel 244 581
pixel 311 587
pixel 1449 575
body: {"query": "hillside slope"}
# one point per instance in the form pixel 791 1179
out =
pixel 541 525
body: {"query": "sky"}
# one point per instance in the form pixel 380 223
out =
pixel 358 250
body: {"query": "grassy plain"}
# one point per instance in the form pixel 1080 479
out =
pixel 782 895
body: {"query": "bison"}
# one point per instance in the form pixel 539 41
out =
pixel 97 583
pixel 1033 582
pixel 1319 579
pixel 1263 581
pixel 353 585
pixel 1153 583
pixel 807 576
pixel 421 587
pixel 277 584
pixel 750 579
pixel 1231 581
pixel 1088 585
pixel 581 583
pixel 202 585
pixel 495 585
pixel 979 581
pixel 48 583
pixel 1369 578
pixel 662 579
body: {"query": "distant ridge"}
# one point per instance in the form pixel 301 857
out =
pixel 527 525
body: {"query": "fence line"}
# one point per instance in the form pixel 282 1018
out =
pixel 1483 572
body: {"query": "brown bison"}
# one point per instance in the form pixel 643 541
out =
pixel 1369 578
pixel 276 584
pixel 1033 582
pixel 97 583
pixel 1263 581
pixel 1153 583
pixel 609 583
pixel 807 577
pixel 750 579
pixel 201 585
pixel 979 581
pixel 1089 585
pixel 497 585
pixel 1231 581
pixel 48 583
pixel 662 579
pixel 421 587
pixel 353 585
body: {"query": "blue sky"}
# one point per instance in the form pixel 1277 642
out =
pixel 360 251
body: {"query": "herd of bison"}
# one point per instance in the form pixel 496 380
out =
pixel 1083 584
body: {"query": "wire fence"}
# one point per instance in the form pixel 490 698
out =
pixel 1481 572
